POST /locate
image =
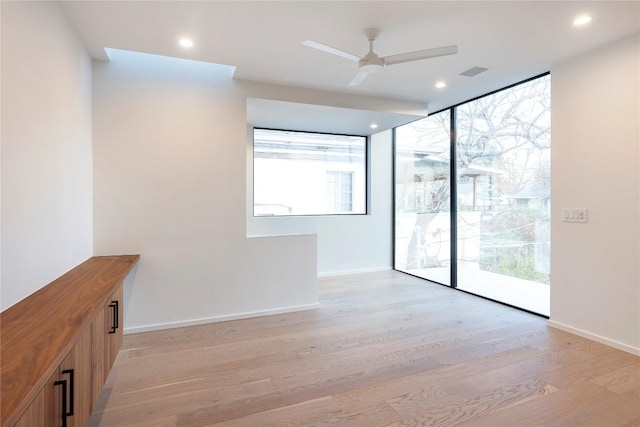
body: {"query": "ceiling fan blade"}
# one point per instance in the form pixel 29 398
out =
pixel 332 50
pixel 420 54
pixel 358 79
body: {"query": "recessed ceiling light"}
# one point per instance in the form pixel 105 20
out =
pixel 581 20
pixel 441 84
pixel 374 126
pixel 186 42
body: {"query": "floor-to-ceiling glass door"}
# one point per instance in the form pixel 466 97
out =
pixel 422 198
pixel 499 199
pixel 503 194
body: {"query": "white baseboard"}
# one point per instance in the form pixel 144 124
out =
pixel 594 337
pixel 358 271
pixel 202 321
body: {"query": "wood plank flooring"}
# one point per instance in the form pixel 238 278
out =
pixel 384 349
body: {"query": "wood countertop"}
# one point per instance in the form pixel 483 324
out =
pixel 37 332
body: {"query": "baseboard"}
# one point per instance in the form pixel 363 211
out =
pixel 357 271
pixel 594 337
pixel 215 319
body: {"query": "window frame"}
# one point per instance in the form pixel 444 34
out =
pixel 366 178
pixel 452 111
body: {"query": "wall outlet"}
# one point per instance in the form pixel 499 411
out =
pixel 574 215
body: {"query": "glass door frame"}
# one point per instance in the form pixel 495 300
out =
pixel 453 199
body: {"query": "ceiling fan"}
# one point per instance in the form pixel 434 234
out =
pixel 371 63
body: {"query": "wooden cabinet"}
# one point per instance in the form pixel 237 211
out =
pixel 59 344
pixel 36 414
pixel 98 345
pixel 107 339
pixel 76 369
pixel 65 399
pixel 114 336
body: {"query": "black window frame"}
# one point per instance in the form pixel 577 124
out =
pixel 367 141
pixel 453 188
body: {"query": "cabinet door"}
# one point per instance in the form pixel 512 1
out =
pixel 65 397
pixel 35 413
pixel 76 369
pixel 99 339
pixel 106 337
pixel 114 318
pixel 44 408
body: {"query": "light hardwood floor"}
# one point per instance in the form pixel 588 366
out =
pixel 384 349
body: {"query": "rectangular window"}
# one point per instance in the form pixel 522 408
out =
pixel 304 173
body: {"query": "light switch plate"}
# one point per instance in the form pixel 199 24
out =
pixel 574 215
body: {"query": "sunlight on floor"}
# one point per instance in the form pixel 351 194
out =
pixel 520 293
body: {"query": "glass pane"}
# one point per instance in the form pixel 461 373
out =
pixel 301 173
pixel 503 172
pixel 423 224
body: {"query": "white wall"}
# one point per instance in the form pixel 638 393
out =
pixel 300 95
pixel 169 183
pixel 347 243
pixel 595 121
pixel 46 149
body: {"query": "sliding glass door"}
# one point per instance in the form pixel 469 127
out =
pixel 499 199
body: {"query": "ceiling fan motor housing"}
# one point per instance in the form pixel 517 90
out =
pixel 371 63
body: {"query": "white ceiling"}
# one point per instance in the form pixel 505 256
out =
pixel 513 39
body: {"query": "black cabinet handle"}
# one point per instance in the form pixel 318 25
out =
pixel 71 390
pixel 116 317
pixel 114 323
pixel 63 383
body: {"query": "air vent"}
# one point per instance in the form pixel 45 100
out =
pixel 474 71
